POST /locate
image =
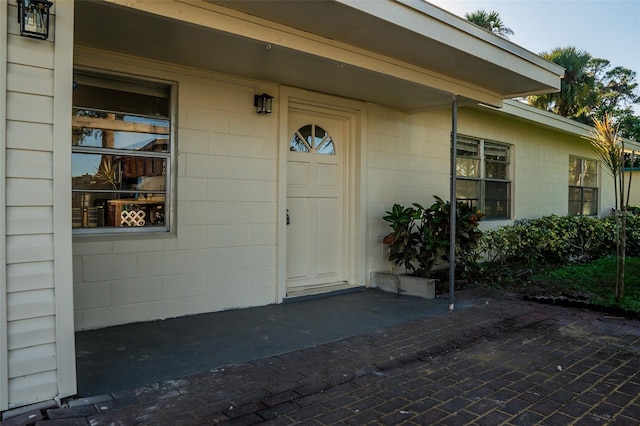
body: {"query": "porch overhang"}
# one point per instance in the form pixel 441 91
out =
pixel 404 54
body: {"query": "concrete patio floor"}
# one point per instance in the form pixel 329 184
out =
pixel 117 358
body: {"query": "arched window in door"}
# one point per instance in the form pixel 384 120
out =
pixel 312 138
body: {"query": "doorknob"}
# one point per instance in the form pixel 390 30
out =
pixel 288 218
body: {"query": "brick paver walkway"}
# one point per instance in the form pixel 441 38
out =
pixel 501 361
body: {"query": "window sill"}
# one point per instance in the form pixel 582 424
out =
pixel 122 236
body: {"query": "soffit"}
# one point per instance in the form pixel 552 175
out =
pixel 415 32
pixel 237 51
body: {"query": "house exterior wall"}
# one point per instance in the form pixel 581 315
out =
pixel 222 251
pixel 540 162
pixel 221 254
pixel 634 193
pixel 37 344
pixel 408 162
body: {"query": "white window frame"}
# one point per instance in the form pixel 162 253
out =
pixel 482 178
pixel 170 157
pixel 581 185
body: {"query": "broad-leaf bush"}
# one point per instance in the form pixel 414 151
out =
pixel 420 235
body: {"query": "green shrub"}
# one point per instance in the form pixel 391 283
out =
pixel 421 235
pixel 633 232
pixel 635 210
pixel 556 239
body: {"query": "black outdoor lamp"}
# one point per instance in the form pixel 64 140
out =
pixel 33 16
pixel 263 103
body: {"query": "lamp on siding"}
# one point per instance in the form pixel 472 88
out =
pixel 263 103
pixel 33 16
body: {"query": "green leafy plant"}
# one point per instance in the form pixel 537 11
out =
pixel 557 239
pixel 402 241
pixel 420 236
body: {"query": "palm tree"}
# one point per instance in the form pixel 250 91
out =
pixel 489 21
pixel 607 144
pixel 576 88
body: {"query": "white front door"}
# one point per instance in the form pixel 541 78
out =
pixel 315 205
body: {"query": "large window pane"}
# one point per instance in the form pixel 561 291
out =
pixel 121 153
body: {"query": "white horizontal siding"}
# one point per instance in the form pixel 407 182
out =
pixel 31 332
pixel 30 304
pixel 32 360
pixel 29 192
pixel 29 164
pixel 24 51
pixel 29 248
pixel 33 388
pixel 29 220
pixel 28 107
pixel 29 276
pixel 32 136
pixel 33 356
pixel 26 79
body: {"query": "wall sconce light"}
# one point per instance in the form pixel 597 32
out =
pixel 263 103
pixel 33 16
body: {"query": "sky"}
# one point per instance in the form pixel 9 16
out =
pixel 607 29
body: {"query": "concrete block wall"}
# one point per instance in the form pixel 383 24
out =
pixel 634 194
pixel 408 161
pixel 540 163
pixel 221 252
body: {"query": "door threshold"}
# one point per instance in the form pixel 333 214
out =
pixel 317 292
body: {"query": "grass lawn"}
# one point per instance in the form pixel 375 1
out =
pixel 594 281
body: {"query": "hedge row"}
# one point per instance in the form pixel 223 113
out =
pixel 559 239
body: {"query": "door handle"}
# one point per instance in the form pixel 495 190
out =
pixel 288 218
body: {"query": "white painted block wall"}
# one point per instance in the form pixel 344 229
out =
pixel 408 161
pixel 221 254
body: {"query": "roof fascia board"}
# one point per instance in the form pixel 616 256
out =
pixel 231 21
pixel 463 36
pixel 551 120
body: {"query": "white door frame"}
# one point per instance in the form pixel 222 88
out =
pixel 354 254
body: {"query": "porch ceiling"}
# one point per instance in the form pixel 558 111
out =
pixel 398 66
